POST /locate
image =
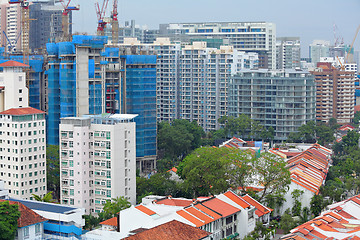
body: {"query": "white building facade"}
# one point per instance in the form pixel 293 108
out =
pixel 98 160
pixel 23 152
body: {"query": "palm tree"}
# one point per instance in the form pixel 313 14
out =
pixel 47 198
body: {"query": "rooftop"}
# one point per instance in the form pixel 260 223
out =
pixel 28 217
pixel 46 207
pixel 173 230
pixel 12 63
pixel 22 111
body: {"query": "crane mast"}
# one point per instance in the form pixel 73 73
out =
pixel 115 23
pixel 65 19
pixel 100 12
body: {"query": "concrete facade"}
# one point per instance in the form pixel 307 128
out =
pixel 287 52
pixel 98 160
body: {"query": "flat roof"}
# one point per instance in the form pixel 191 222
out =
pixel 44 206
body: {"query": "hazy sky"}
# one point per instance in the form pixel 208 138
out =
pixel 307 19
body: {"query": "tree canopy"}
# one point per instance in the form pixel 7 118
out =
pixel 209 171
pixel 9 214
pixel 53 170
pixel 116 205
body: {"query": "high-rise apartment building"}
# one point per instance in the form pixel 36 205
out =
pixel 335 93
pixel 23 152
pixel 98 160
pixel 259 37
pixel 204 77
pixel 287 52
pixel 318 49
pixel 86 76
pixel 10 23
pixel 46 24
pixel 22 131
pixel 283 100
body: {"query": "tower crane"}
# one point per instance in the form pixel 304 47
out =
pixel 65 18
pixel 352 44
pixel 115 23
pixel 100 15
pixel 25 27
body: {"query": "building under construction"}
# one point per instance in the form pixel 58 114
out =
pixel 85 76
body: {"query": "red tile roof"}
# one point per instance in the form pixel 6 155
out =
pixel 235 198
pixel 145 210
pixel 21 111
pixel 346 127
pixel 260 209
pixel 110 222
pixel 220 207
pixel 12 63
pixel 191 218
pixel 28 217
pixel 174 202
pixel 173 230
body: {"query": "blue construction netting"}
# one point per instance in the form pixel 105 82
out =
pixel 140 59
pixel 95 99
pixel 66 48
pixel 91 41
pixel 67 89
pixel 91 68
pixel 141 99
pixel 110 52
pixel 357 93
pixel 53 118
pixel 52 49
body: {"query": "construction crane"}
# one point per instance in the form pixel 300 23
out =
pixel 25 27
pixel 115 23
pixel 351 46
pixel 100 15
pixel 65 19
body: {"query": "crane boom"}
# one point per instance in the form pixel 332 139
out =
pixel 100 12
pixel 352 44
pixel 65 18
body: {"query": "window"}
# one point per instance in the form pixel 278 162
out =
pixel 26 232
pixel 20 99
pixel 37 229
pixel 20 90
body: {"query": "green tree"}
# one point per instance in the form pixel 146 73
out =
pixel 306 133
pixel 268 134
pixel 204 171
pixel 47 197
pixel 91 222
pixel 296 196
pixel 325 134
pixel 356 118
pixel 316 204
pixel 116 205
pixel 287 222
pixel 53 170
pixel 272 174
pixel 9 215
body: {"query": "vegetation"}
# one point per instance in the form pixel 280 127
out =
pixel 209 171
pixel 9 214
pixel 312 132
pixel 47 198
pixel 53 170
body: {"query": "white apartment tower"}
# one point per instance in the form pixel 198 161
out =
pixel 22 130
pixel 98 160
pixel 204 77
pixel 259 37
pixel 23 152
pixel 10 23
pixel 287 52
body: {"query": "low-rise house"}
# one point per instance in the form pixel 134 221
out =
pixel 64 222
pixel 308 171
pixel 340 221
pixel 223 216
pixel 173 230
pixel 30 224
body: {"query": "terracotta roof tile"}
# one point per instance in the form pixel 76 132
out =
pixel 110 222
pixel 28 217
pixel 260 208
pixel 175 202
pixel 235 198
pixel 191 218
pixel 21 111
pixel 173 230
pixel 145 210
pixel 221 207
pixel 12 63
pixel 208 211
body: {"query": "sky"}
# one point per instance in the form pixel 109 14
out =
pixel 307 19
